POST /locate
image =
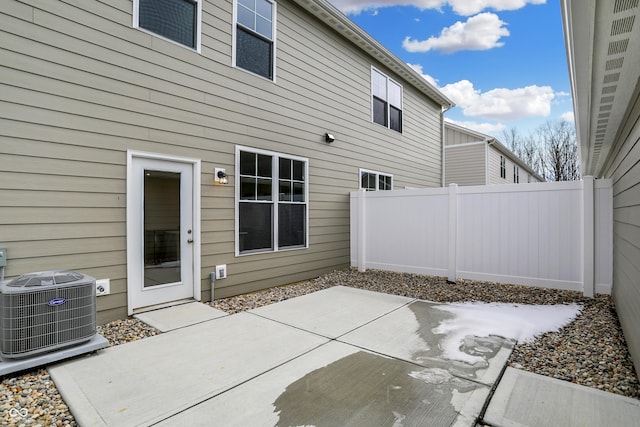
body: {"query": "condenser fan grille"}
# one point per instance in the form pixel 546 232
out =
pixel 47 319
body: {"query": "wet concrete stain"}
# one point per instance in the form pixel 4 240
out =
pixel 366 389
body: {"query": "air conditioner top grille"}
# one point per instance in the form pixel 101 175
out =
pixel 43 279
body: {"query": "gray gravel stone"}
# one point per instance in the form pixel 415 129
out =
pixel 590 351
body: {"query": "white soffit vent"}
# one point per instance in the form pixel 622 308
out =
pixel 611 83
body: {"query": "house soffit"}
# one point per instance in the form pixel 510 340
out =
pixel 605 68
pixel 335 19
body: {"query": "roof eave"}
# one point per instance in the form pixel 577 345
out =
pixel 335 19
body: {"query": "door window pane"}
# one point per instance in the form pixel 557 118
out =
pixel 161 228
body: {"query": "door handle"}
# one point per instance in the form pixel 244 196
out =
pixel 189 240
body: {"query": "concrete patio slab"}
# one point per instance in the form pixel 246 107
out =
pixel 526 399
pixel 341 385
pixel 179 316
pixel 407 334
pixel 148 380
pixel 334 311
pixel 341 356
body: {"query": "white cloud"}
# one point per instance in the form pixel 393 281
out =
pixel 568 117
pixel 500 104
pixel 461 7
pixel 486 128
pixel 471 7
pixel 480 32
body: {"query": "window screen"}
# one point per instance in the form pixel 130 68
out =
pixel 173 19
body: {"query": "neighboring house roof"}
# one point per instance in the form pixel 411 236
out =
pixel 602 45
pixel 494 143
pixel 335 19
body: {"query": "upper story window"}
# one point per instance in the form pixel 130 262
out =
pixel 503 167
pixel 516 174
pixel 375 181
pixel 386 101
pixel 255 36
pixel 272 201
pixel 175 20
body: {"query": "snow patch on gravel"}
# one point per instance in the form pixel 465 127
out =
pixel 520 322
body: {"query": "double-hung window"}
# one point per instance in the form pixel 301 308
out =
pixel 503 167
pixel 386 101
pixel 516 174
pixel 375 181
pixel 272 201
pixel 255 36
pixel 175 20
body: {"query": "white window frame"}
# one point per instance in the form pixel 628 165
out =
pixel 503 167
pixel 386 100
pixel 516 174
pixel 377 174
pixel 273 40
pixel 136 24
pixel 275 200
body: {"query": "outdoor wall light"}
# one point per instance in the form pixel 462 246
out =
pixel 328 138
pixel 220 176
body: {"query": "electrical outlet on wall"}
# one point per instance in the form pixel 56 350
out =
pixel 221 271
pixel 103 287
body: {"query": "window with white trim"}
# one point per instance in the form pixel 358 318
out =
pixel 255 36
pixel 386 101
pixel 175 20
pixel 503 167
pixel 516 174
pixel 375 181
pixel 272 201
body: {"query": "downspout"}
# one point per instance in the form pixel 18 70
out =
pixel 442 153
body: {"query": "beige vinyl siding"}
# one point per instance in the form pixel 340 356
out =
pixel 80 87
pixel 624 170
pixel 465 164
pixel 494 168
pixel 455 137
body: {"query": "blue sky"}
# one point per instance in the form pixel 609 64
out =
pixel 503 62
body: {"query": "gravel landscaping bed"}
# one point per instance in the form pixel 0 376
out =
pixel 590 351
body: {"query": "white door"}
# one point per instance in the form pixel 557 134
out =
pixel 160 231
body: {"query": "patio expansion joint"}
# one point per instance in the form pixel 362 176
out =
pixel 492 391
pixel 329 340
pixel 336 338
pixel 213 396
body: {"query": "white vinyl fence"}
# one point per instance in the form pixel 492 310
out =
pixel 554 235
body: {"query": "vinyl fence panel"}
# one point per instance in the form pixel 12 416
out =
pixel 552 235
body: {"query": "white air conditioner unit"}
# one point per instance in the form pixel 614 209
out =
pixel 46 311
